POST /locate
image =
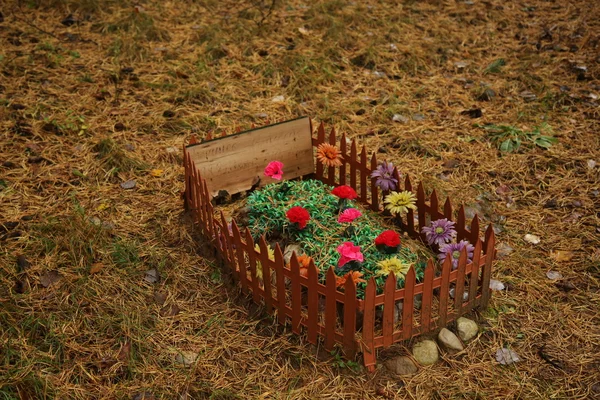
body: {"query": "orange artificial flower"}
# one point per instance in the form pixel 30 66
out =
pixel 329 155
pixel 304 262
pixel 355 275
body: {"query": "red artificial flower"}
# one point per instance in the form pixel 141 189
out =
pixel 388 238
pixel 298 215
pixel 344 192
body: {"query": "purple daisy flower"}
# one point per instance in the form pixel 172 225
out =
pixel 440 232
pixel 454 249
pixel 385 176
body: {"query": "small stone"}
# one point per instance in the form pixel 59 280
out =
pixel 400 118
pixel 186 358
pixel 152 276
pixel 426 352
pixel 506 356
pixel 450 341
pixel 418 117
pixel 127 185
pixel 278 99
pixel 533 239
pixel 554 275
pixel 503 250
pixel 591 164
pixel 496 285
pixel 467 329
pixel 402 366
pixel 49 278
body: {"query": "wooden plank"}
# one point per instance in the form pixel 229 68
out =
pixel 280 280
pixel 410 215
pixel 448 209
pixel 234 162
pixel 368 331
pixel 459 289
pixel 421 209
pixel 349 319
pixel 241 259
pixel 252 266
pixel 444 291
pixel 474 229
pixel 313 303
pixel 363 175
pixel 331 170
pixel 388 310
pixel 487 269
pixel 474 279
pixel 434 206
pixel 344 151
pixel 408 307
pixel 266 273
pixel 460 224
pixel 330 310
pixel 374 187
pixel 320 139
pixel 427 298
pixel 296 294
pixel 353 155
pixel 210 225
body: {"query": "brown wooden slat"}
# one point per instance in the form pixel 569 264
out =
pixel 313 303
pixel 474 229
pixel 331 170
pixel 320 139
pixel 368 331
pixel 330 310
pixel 193 140
pixel 474 279
pixel 408 306
pixel 410 215
pixel 353 155
pixel 460 224
pixel 344 151
pixel 374 187
pixel 388 310
pixel 349 319
pixel 296 294
pixel 208 136
pixel 241 259
pixel 209 212
pixel 264 260
pixel 363 175
pixel 459 289
pixel 444 290
pixel 448 209
pixel 487 269
pixel 281 303
pixel 252 265
pixel 421 208
pixel 427 298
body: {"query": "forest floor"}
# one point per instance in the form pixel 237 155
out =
pixel 103 291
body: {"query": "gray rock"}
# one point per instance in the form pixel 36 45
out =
pixel 467 329
pixel 289 249
pixel 450 341
pixel 401 365
pixel 426 352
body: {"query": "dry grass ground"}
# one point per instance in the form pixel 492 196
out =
pixel 113 96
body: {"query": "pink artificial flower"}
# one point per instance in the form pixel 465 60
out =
pixel 349 215
pixel 349 252
pixel 274 170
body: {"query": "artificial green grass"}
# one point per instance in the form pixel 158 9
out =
pixel 323 234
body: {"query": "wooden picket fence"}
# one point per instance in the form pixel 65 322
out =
pixel 339 317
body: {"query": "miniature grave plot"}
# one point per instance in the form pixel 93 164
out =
pixel 331 242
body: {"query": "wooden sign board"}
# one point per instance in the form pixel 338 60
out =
pixel 235 163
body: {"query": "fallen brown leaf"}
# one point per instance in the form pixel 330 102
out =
pixel 96 267
pixel 562 255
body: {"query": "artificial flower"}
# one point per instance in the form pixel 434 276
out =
pixel 298 215
pixel 387 241
pixel 274 170
pixel 344 192
pixel 304 262
pixel 394 266
pixel 440 232
pixel 349 252
pixel 454 250
pixel 354 275
pixel 349 215
pixel 400 202
pixel 385 176
pixel 271 255
pixel 329 155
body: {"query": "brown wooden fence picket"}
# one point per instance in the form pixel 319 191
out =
pixel 374 187
pixel 444 290
pixel 408 306
pixel 461 223
pixel 296 294
pixel 344 151
pixel 368 331
pixel 460 280
pixel 349 318
pixel 280 283
pixel 410 215
pixel 330 309
pixel 474 229
pixel 331 170
pixel 427 299
pixel 320 139
pixel 474 278
pixel 353 161
pixel 241 258
pixel 313 303
pixel 487 270
pixel 448 209
pixel 266 273
pixel 363 175
pixel 389 306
